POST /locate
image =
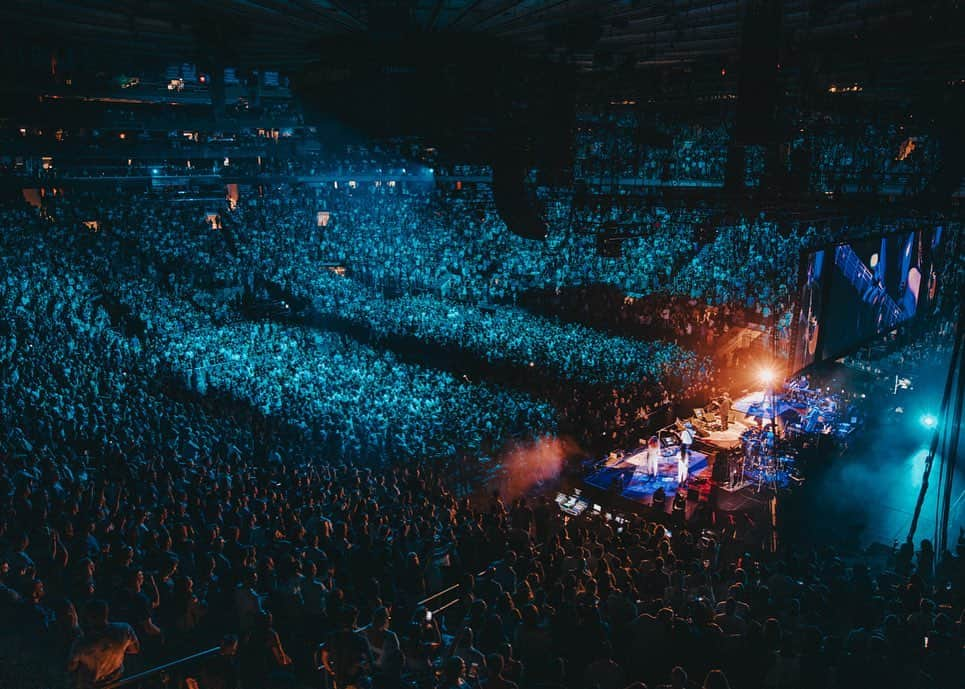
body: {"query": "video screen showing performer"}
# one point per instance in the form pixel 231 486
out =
pixel 875 286
pixel 809 315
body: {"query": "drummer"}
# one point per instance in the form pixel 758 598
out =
pixel 758 417
pixel 770 438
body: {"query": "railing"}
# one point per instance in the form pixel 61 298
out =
pixel 437 594
pixel 124 681
pixel 455 587
pixel 435 613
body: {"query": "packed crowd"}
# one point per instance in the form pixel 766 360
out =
pixel 622 142
pixel 894 154
pixel 176 476
pixel 455 246
pixel 352 401
pixel 568 351
pixel 400 268
pixel 870 155
pixel 362 403
pixel 891 152
pixel 278 239
pixel 750 263
pixel 171 285
pixel 212 531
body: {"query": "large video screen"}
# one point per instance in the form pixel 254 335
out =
pixel 853 291
pixel 809 313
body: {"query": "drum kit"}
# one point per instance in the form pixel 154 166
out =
pixel 780 429
pixel 772 460
pixel 767 460
pixel 822 412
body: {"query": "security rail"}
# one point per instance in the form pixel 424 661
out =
pixel 137 677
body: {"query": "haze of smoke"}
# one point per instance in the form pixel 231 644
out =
pixel 533 462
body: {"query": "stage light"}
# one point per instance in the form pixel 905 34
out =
pixel 929 421
pixel 768 376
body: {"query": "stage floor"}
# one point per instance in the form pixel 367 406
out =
pixel 760 402
pixel 725 439
pixel 640 487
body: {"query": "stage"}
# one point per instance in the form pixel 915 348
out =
pixel 626 477
pixel 749 470
pixel 723 440
pixel 759 403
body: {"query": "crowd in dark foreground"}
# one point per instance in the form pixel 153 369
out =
pixel 115 561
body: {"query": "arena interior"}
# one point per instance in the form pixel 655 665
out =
pixel 482 344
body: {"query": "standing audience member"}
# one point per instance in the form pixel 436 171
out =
pixel 98 656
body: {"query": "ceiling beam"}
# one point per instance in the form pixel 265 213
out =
pixel 543 9
pixel 356 14
pixel 434 15
pixel 466 11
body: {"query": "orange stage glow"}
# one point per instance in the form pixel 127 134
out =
pixel 768 376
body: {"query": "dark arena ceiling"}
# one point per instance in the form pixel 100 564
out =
pixel 586 33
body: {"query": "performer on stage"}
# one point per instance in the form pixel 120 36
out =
pixel 683 458
pixel 725 404
pixel 683 467
pixel 653 457
pixel 686 439
pixel 769 443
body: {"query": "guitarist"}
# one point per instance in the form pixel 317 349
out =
pixel 725 405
